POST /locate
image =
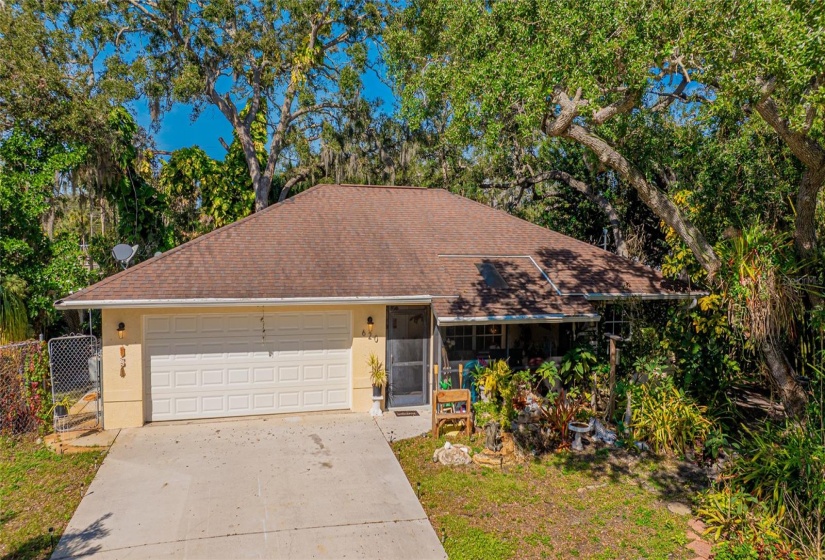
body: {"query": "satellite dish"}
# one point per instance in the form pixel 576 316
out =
pixel 124 253
pixel 157 253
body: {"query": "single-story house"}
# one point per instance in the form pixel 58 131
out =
pixel 279 311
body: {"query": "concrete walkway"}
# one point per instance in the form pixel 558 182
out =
pixel 396 427
pixel 306 486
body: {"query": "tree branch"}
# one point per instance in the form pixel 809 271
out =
pixel 656 200
pixel 569 111
pixel 299 176
pixel 621 106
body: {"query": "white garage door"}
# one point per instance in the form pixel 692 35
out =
pixel 212 365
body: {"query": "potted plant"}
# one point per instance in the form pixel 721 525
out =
pixel 378 378
pixel 60 410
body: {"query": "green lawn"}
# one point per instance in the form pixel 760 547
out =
pixel 601 505
pixel 38 490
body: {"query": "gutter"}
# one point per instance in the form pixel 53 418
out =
pixel 240 302
pixel 520 319
pixel 644 297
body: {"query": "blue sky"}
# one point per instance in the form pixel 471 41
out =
pixel 178 130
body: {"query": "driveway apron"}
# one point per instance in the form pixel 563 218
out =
pixel 304 486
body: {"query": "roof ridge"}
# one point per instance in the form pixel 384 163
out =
pixel 188 244
pixel 410 187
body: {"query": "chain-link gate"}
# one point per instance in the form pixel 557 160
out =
pixel 75 367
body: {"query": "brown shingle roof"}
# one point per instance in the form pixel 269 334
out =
pixel 527 292
pixel 336 241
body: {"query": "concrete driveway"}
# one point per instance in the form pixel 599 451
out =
pixel 304 486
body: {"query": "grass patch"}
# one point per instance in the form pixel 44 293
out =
pixel 38 489
pixel 560 506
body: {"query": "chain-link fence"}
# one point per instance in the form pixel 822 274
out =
pixel 25 396
pixel 75 373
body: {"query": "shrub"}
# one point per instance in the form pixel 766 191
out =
pixel 505 388
pixel 577 364
pixel 745 528
pixel 732 514
pixel 486 411
pixel 667 419
pixel 784 468
pixel 25 394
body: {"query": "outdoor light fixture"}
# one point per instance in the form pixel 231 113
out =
pixel 370 325
pixel 121 330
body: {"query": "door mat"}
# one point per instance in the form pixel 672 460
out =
pixel 406 413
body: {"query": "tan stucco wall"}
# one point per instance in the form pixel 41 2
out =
pixel 126 392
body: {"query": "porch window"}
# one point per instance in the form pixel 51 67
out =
pixel 464 342
pixel 617 322
pixel 460 338
pixel 488 336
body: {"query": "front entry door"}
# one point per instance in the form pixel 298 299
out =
pixel 407 341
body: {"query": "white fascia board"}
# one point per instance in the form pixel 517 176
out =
pixel 242 302
pixel 521 319
pixel 644 297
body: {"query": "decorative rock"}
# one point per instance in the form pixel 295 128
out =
pixel 452 455
pixel 488 459
pixel 679 508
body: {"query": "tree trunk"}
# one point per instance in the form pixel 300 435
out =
pixel 261 194
pixel 793 396
pixel 806 199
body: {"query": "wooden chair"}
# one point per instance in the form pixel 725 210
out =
pixel 445 406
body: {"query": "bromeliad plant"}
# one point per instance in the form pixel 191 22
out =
pixel 667 419
pixel 560 413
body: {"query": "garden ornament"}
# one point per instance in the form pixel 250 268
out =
pixel 492 439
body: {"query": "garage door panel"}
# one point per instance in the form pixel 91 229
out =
pixel 337 397
pixel 188 405
pixel 338 346
pixel 238 376
pixel 214 365
pixel 161 379
pixel 288 348
pixel 263 375
pixel 213 377
pixel 338 322
pixel 313 346
pixel 337 371
pixel 158 326
pixel 186 379
pixel 286 322
pixel 313 322
pixel 289 400
pixel 288 374
pixel 263 402
pixel 184 325
pixel 313 398
pixel 239 403
pixel 162 406
pixel 314 372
